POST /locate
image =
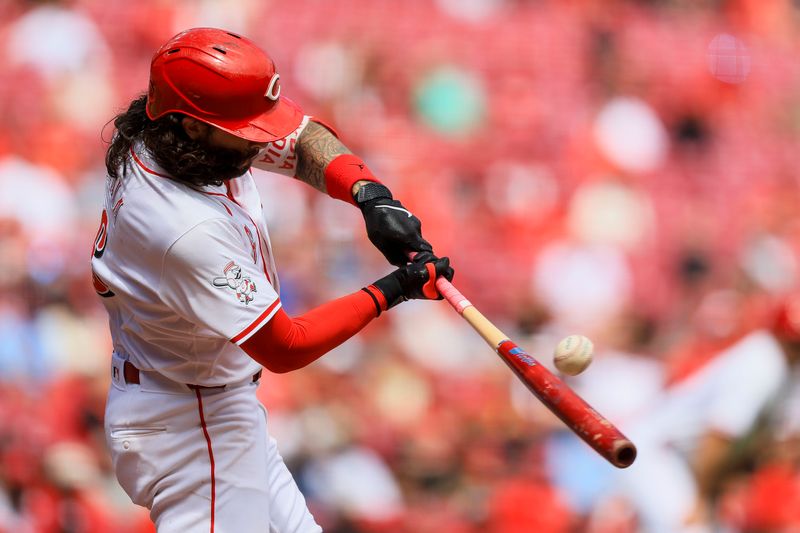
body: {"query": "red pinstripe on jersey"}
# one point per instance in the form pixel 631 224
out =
pixel 151 171
pixel 260 247
pixel 210 458
pixel 145 167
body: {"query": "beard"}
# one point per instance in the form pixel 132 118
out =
pixel 197 162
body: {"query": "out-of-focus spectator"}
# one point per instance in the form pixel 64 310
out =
pixel 37 197
pixel 688 433
pixel 768 498
pixel 55 39
pixel 64 46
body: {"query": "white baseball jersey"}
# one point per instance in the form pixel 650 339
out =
pixel 726 395
pixel 187 273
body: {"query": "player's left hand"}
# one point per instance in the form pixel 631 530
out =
pixel 415 280
pixel 392 228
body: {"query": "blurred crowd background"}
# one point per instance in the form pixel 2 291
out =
pixel 623 169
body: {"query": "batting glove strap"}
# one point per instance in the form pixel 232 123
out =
pixel 372 191
pixel 391 289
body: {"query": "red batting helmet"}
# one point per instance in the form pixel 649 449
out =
pixel 222 79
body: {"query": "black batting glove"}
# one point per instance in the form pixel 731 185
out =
pixel 415 280
pixel 393 229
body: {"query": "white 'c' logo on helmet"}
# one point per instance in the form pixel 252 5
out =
pixel 274 88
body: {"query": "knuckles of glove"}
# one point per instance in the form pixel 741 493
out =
pixel 420 284
pixel 415 280
pixel 441 264
pixel 393 229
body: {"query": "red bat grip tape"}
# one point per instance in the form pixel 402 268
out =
pixel 452 295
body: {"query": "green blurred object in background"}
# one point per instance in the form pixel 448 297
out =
pixel 450 101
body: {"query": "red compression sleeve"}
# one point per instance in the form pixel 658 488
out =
pixel 285 343
pixel 342 173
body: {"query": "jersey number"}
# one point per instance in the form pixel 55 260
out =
pixel 102 236
pixel 97 251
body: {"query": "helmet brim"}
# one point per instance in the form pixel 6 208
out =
pixel 281 120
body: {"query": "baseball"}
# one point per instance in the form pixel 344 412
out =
pixel 573 354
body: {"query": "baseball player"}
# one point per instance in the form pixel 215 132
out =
pixel 183 264
pixel 687 433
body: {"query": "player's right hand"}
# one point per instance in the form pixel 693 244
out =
pixel 392 228
pixel 416 280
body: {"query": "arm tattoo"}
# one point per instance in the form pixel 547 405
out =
pixel 317 147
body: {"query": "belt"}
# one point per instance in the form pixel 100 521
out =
pixel 131 374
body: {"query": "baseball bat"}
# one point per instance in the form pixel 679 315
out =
pixel 573 410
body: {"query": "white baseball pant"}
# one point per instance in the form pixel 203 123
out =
pixel 201 460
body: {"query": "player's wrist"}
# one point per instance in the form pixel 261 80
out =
pixel 343 173
pixel 371 193
pixel 391 288
pixel 377 298
pixel 357 186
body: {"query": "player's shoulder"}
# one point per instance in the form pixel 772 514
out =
pixel 162 208
pixel 758 341
pixel 758 352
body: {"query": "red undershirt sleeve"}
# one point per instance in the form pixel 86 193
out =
pixel 284 343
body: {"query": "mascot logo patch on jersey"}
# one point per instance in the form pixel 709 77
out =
pixel 234 280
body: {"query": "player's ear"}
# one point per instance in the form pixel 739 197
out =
pixel 194 128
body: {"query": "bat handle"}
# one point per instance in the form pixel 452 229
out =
pixel 464 307
pixel 452 295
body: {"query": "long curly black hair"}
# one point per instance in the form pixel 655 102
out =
pixel 190 161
